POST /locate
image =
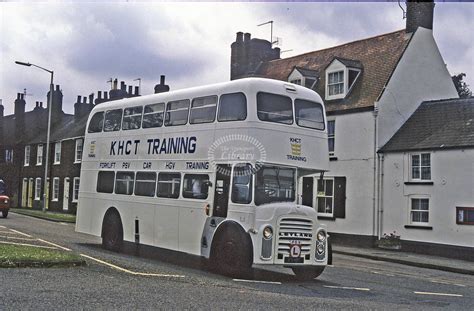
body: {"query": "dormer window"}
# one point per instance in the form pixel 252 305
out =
pixel 305 77
pixel 341 76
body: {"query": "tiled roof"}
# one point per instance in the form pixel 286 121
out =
pixel 378 55
pixel 350 62
pixel 438 124
pixel 307 72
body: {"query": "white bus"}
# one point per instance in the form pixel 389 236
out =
pixel 211 171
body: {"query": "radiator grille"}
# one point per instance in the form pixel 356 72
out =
pixel 291 230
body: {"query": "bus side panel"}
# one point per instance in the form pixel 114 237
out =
pixel 191 226
pixel 166 224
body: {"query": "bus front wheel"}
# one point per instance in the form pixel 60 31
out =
pixel 112 232
pixel 232 252
pixel 307 273
pixel 5 214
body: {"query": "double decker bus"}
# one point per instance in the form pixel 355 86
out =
pixel 211 171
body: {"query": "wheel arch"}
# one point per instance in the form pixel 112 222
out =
pixel 111 211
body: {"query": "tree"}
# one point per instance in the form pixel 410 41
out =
pixel 461 86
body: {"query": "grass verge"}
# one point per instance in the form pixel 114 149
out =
pixel 12 256
pixel 45 215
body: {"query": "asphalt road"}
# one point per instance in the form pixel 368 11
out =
pixel 162 281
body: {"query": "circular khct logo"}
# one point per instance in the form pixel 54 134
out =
pixel 236 148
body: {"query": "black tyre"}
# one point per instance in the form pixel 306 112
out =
pixel 232 252
pixel 307 273
pixel 5 214
pixel 112 232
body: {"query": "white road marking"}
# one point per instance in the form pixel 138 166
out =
pixel 345 287
pixel 55 245
pixel 132 272
pixel 256 281
pixel 438 294
pixel 448 283
pixel 2 227
pixel 25 244
pixel 24 234
pixel 387 274
pixel 16 238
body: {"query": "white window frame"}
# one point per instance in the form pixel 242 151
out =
pixel 9 155
pixel 78 151
pixel 39 154
pixel 55 193
pixel 337 66
pixel 419 166
pixel 75 186
pixel 333 137
pixel 343 82
pixel 410 211
pixel 57 153
pixel 38 189
pixel 318 195
pixel 27 155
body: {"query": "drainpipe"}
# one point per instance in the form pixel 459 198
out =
pixel 380 203
pixel 375 220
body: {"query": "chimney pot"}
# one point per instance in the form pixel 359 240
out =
pixel 239 37
pixel 18 95
pixel 78 99
pixel 99 94
pixel 84 100
pixel 106 95
pixel 123 86
pixel 91 99
pixel 162 80
pixel 115 84
pixel 130 90
pixel 137 89
pixel 41 104
pixel 247 37
pixel 22 96
pixel 57 87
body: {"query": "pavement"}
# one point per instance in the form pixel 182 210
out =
pixel 410 259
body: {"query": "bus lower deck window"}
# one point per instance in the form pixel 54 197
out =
pixel 168 185
pixel 196 186
pixel 124 182
pixel 145 184
pixel 105 181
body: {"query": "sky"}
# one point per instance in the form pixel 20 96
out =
pixel 87 43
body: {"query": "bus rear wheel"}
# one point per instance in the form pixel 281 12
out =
pixel 112 232
pixel 307 273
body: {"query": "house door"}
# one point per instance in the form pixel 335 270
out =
pixel 30 193
pixel 24 192
pixel 66 194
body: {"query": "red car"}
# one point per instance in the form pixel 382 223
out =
pixel 4 199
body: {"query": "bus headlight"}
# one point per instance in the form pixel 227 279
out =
pixel 321 236
pixel 268 232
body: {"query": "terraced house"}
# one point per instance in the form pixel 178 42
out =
pixel 371 87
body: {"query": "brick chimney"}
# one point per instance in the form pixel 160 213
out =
pixel 1 109
pixel 162 87
pixel 247 54
pixel 19 105
pixel 419 14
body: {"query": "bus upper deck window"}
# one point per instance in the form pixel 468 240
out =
pixel 274 108
pixel 309 114
pixel 132 118
pixel 177 112
pixel 153 115
pixel 113 119
pixel 97 123
pixel 232 107
pixel 203 110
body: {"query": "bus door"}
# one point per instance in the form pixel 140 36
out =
pixel 221 190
